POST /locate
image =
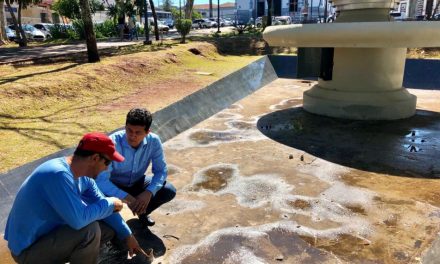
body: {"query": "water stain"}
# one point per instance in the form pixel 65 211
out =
pixel 224 115
pixel 300 204
pixel 242 125
pixel 356 209
pixel 235 107
pixel 347 246
pixel 173 170
pixel 392 220
pixel 394 201
pixel 401 256
pixel 291 244
pixel 288 104
pixel 215 179
pixel 206 137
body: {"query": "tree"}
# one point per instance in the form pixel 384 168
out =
pixel 92 47
pixel 71 10
pixel 3 37
pixel 428 12
pixel 269 12
pixel 189 8
pixel 183 26
pixel 167 5
pixel 210 8
pixel 16 20
pixel 156 28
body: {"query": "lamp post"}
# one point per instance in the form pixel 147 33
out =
pixel 146 27
pixel 180 9
pixel 218 16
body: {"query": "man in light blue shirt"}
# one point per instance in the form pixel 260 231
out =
pixel 59 215
pixel 126 180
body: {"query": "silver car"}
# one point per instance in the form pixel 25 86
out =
pixel 45 28
pixel 10 34
pixel 31 32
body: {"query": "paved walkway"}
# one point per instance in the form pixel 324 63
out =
pixel 10 55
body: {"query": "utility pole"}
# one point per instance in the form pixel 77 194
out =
pixel 218 16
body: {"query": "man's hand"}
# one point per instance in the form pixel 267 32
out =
pixel 117 204
pixel 133 247
pixel 129 199
pixel 142 201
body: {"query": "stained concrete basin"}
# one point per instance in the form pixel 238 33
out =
pixel 263 181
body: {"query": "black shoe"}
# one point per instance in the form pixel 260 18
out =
pixel 146 220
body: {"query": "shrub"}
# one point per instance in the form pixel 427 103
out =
pixel 59 32
pixel 183 26
pixel 106 29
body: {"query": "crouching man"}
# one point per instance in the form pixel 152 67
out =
pixel 59 215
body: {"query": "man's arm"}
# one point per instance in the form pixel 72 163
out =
pixel 107 187
pixel 159 168
pixel 63 197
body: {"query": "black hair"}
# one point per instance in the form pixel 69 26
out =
pixel 83 153
pixel 139 117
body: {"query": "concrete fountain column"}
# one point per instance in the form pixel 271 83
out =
pixel 368 61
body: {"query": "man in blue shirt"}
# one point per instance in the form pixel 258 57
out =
pixel 59 215
pixel 126 180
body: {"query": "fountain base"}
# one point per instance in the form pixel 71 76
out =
pixel 374 105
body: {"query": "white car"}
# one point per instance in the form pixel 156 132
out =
pixel 45 28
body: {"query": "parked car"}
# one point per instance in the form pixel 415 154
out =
pixel 436 17
pixel 45 28
pixel 203 23
pixel 169 22
pixel 227 22
pixel 277 20
pixel 31 32
pixel 10 34
pixel 214 22
pixel 161 26
pixel 197 23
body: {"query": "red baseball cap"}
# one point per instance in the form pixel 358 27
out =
pixel 100 143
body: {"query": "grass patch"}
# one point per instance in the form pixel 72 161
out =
pixel 48 107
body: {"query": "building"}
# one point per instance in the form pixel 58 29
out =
pixel 227 10
pixel 39 13
pixel 298 10
pixel 414 9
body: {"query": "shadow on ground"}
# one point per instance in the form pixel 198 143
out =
pixel 408 147
pixel 146 239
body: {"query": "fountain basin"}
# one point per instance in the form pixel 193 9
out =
pixel 356 35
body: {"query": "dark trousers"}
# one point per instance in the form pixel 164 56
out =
pixel 66 244
pixel 164 195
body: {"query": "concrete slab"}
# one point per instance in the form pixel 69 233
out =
pixel 264 182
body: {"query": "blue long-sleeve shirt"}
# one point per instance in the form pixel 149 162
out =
pixel 51 197
pixel 133 168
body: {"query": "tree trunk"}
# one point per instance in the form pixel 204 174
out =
pixel 92 47
pixel 210 8
pixel 156 27
pixel 436 8
pixel 269 13
pixel 22 40
pixel 428 12
pixel 3 37
pixel 188 9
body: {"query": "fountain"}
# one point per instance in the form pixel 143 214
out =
pixel 364 76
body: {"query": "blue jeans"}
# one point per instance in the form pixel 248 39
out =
pixel 164 195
